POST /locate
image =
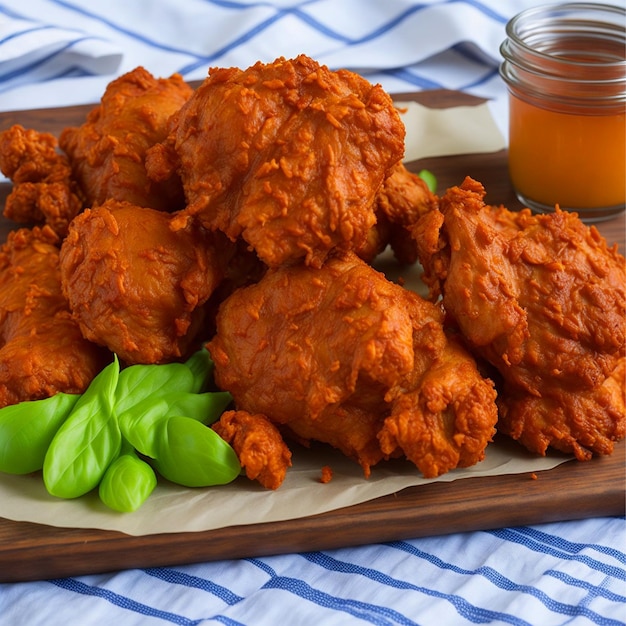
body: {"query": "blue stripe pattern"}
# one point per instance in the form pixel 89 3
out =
pixel 398 583
pixel 552 574
pixel 248 27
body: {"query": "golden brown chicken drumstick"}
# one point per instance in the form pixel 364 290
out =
pixel 542 298
pixel 287 155
pixel 341 355
pixel 44 191
pixel 136 286
pixel 107 152
pixel 42 351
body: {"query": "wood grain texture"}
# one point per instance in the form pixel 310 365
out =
pixel 571 491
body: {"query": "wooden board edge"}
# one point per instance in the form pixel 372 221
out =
pixel 464 505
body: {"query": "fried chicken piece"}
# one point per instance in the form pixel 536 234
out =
pixel 333 354
pixel 136 286
pixel 542 298
pixel 42 351
pixel 312 349
pixel 288 155
pixel 107 152
pixel 582 422
pixel 401 201
pixel 447 416
pixel 44 191
pixel 258 445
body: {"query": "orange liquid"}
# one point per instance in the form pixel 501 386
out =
pixel 573 160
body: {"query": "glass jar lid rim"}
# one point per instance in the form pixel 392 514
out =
pixel 512 32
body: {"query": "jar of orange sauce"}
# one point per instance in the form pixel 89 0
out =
pixel 565 69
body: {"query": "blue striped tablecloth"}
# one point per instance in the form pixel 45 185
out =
pixel 61 52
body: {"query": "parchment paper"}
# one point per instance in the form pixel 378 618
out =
pixel 444 132
pixel 171 508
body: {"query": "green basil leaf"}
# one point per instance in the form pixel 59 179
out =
pixel 201 367
pixel 204 407
pixel 430 179
pixel 87 442
pixel 138 424
pixel 193 455
pixel 27 428
pixel 139 382
pixel 127 483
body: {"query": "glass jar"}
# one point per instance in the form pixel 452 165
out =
pixel 565 69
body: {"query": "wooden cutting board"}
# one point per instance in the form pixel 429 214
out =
pixel 570 491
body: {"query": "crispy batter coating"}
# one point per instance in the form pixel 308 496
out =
pixel 107 152
pixel 583 422
pixel 446 418
pixel 542 298
pixel 136 286
pixel 400 202
pixel 42 351
pixel 288 155
pixel 341 355
pixel 43 191
pixel 258 445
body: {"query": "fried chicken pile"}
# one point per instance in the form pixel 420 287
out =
pixel 246 215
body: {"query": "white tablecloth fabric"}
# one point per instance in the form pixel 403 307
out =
pixel 63 52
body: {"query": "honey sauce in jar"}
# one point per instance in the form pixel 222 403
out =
pixel 565 69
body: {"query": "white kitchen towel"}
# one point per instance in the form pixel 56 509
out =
pixel 64 52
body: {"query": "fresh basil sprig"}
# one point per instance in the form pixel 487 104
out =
pixel 140 382
pixel 121 426
pixel 139 424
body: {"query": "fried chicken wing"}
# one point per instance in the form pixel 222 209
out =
pixel 258 445
pixel 42 351
pixel 44 190
pixel 136 286
pixel 107 152
pixel 542 298
pixel 288 155
pixel 330 354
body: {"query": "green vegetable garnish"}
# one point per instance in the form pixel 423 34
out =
pixel 139 382
pixel 26 430
pixel 127 483
pixel 201 367
pixel 191 454
pixel 93 439
pixel 139 424
pixel 430 180
pixel 88 441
